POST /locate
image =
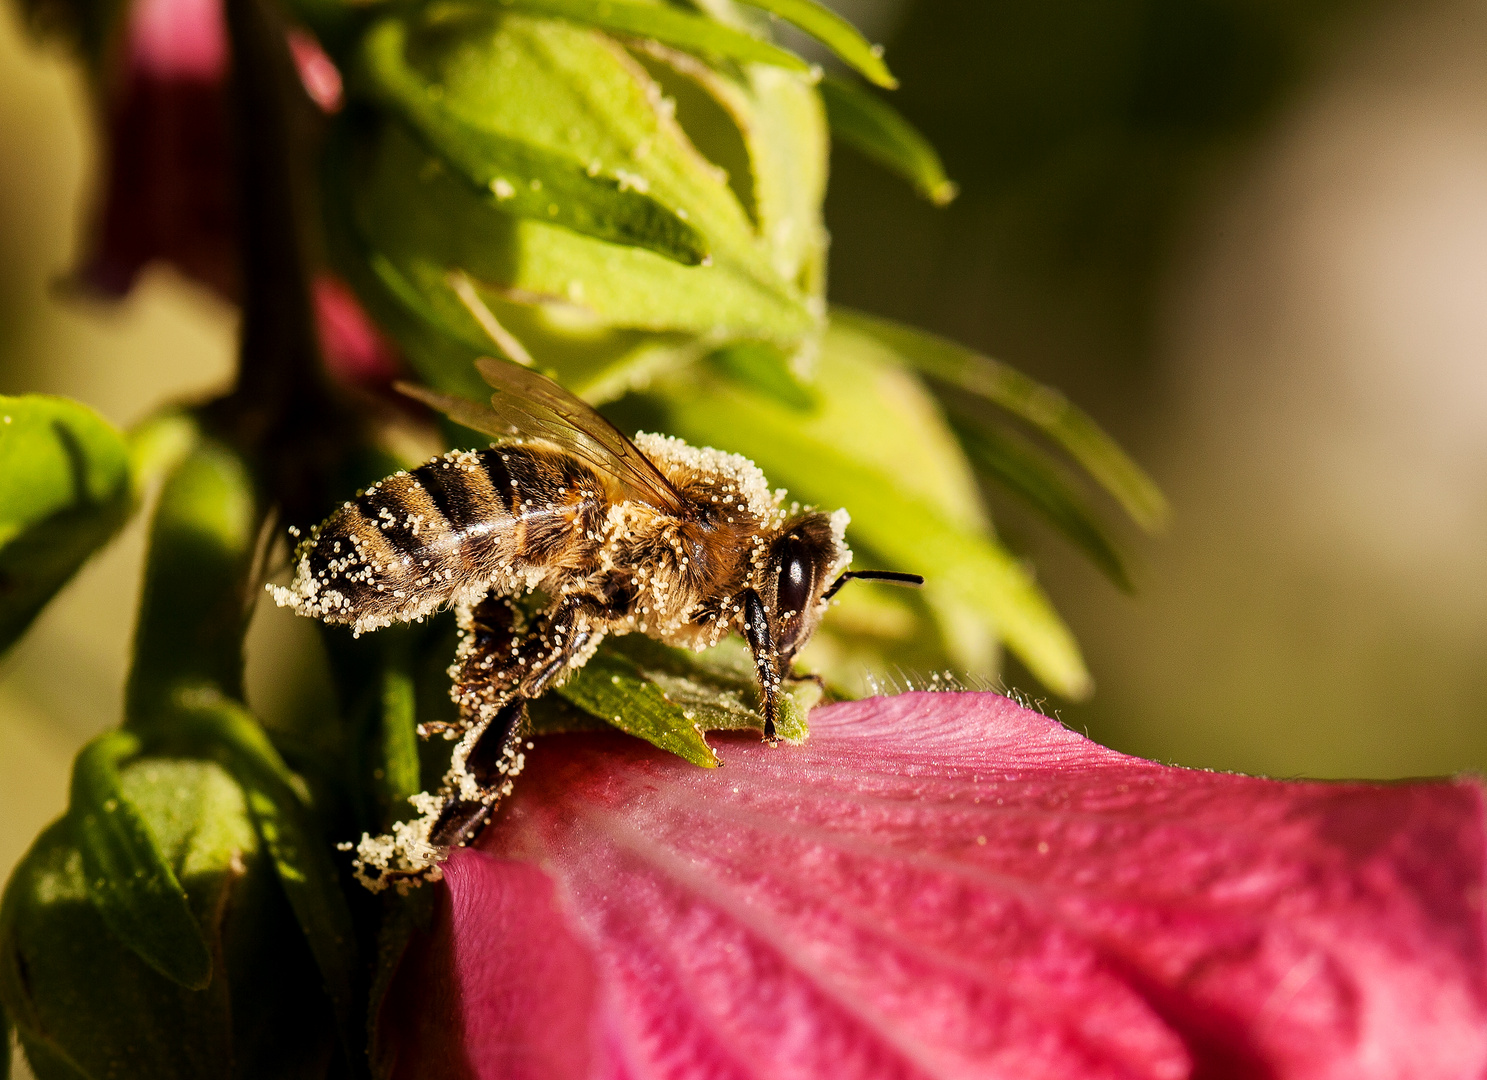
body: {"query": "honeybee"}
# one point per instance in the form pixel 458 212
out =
pixel 653 536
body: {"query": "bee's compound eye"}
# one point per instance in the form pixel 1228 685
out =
pixel 795 580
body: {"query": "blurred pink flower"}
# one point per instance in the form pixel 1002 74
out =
pixel 355 351
pixel 168 192
pixel 948 886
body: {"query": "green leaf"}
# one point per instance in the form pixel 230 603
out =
pixel 719 685
pixel 523 179
pixel 1043 407
pixel 764 367
pixel 694 33
pixel 157 446
pixel 866 450
pixel 768 131
pixel 64 491
pixel 670 697
pixel 604 316
pixel 836 33
pixel 613 688
pixel 196 603
pixel 300 855
pixel 128 879
pixel 874 128
pixel 1025 471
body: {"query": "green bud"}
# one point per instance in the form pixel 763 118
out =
pixel 87 1004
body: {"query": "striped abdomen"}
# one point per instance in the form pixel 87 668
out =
pixel 417 540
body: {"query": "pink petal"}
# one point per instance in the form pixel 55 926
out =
pixel 950 886
pixel 317 71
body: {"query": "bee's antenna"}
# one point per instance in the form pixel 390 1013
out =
pixel 872 575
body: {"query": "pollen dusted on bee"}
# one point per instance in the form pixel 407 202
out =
pixel 472 529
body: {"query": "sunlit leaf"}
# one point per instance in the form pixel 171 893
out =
pixel 158 444
pixel 857 453
pixel 613 688
pixel 1043 407
pixel 128 879
pixel 525 180
pixel 1022 469
pixel 768 131
pixel 694 33
pixel 836 33
pixel 671 697
pixel 872 127
pixel 64 491
pixel 581 306
pixel 764 367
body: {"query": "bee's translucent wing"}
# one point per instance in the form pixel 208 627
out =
pixel 527 405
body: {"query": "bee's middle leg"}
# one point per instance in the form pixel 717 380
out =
pixel 498 671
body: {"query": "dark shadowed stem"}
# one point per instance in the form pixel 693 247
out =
pixel 281 411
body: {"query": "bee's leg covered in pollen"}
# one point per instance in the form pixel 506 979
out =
pixel 500 666
pixel 461 820
pixel 766 663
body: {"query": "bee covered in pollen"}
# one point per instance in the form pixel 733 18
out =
pixel 653 536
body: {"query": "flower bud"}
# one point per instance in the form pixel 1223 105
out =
pixel 86 1002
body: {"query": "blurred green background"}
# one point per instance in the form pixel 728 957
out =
pixel 1249 236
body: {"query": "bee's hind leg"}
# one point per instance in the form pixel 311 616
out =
pixel 492 761
pixel 497 671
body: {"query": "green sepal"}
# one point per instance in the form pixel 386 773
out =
pixel 1044 408
pixel 516 176
pixel 64 492
pixel 128 879
pixel 1028 473
pixel 836 33
pixel 225 729
pixel 668 25
pixel 872 127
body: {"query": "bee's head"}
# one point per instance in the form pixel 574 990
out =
pixel 798 570
pixel 787 596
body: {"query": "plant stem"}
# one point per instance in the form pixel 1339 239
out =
pixel 281 412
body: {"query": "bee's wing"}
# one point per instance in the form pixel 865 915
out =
pixel 529 405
